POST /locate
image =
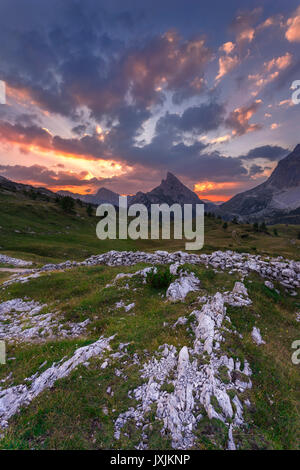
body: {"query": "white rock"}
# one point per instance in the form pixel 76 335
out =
pixel 13 398
pixel 256 336
pixel 179 289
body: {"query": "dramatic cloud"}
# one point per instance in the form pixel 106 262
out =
pixel 256 170
pixel 25 135
pixel 266 152
pixel 238 119
pixel 271 70
pixel 62 81
pixel 127 92
pixel 293 32
pixel 226 64
pixel 203 118
pixel 40 175
pixel 244 25
pixel 34 137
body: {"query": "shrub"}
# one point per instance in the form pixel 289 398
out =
pixel 275 231
pixel 263 227
pixel 298 235
pixel 89 210
pixel 225 225
pixel 67 204
pixel 161 279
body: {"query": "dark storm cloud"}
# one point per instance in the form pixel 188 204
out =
pixel 25 135
pixel 160 153
pixel 203 118
pixel 80 129
pixel 256 170
pixel 72 61
pixel 267 152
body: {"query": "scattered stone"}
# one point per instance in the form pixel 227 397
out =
pixel 286 272
pixel 23 321
pixel 129 307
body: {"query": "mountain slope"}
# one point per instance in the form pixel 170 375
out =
pixel 276 200
pixel 11 186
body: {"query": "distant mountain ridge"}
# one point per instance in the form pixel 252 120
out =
pixel 277 200
pixel 170 191
pixel 102 196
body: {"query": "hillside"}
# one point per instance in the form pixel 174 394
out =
pixel 97 349
pixel 39 229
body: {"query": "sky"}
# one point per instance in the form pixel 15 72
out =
pixel 117 93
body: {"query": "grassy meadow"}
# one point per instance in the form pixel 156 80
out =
pixel 78 413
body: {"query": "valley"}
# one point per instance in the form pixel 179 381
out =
pixel 96 352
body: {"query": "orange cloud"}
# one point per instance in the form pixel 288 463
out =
pixel 293 32
pixel 226 64
pixel 271 70
pixel 221 139
pixel 280 63
pixel 227 47
pixel 238 119
pixel 213 191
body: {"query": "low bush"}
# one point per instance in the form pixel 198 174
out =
pixel 161 279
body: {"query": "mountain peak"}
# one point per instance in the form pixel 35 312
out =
pixel 170 177
pixel 105 192
pixel 172 189
pixel 297 149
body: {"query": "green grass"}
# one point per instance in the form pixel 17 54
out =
pixel 77 413
pixel 276 380
pixel 59 236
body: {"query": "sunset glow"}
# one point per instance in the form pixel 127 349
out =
pixel 124 111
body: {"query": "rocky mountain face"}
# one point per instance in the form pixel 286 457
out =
pixel 170 191
pixel 277 200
